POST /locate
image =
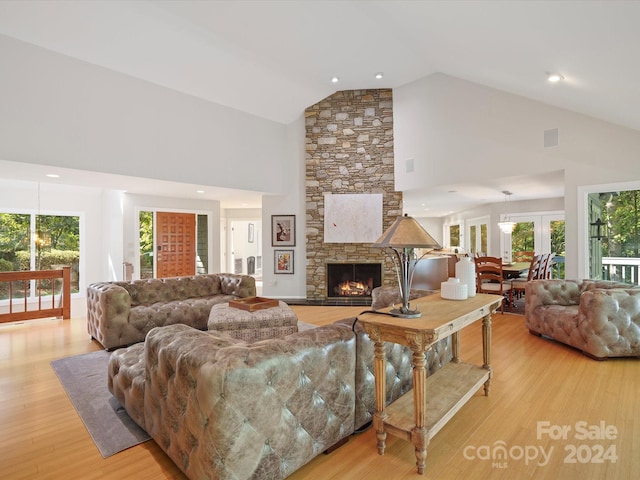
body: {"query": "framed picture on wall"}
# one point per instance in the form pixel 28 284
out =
pixel 251 233
pixel 283 261
pixel 283 230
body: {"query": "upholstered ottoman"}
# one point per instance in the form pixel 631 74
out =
pixel 272 322
pixel 126 379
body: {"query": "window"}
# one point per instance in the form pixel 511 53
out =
pixel 40 242
pixel 539 233
pixel 615 251
pixel 454 236
pixel 146 245
pixel 478 235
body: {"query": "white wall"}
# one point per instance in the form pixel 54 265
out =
pixel 433 226
pixel 293 203
pixel 60 111
pixel 457 131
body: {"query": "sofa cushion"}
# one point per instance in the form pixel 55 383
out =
pixel 555 292
pixel 155 290
pixel 193 312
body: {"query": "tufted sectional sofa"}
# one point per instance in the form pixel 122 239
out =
pixel 222 408
pixel 122 313
pixel 600 318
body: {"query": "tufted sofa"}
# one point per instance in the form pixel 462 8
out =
pixel 600 318
pixel 121 313
pixel 222 408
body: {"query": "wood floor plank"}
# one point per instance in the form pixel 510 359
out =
pixel 534 380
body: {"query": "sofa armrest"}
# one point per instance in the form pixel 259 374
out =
pixel 222 408
pixel 239 285
pixel 609 322
pixel 551 292
pixel 108 307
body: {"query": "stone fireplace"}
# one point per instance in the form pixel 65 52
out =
pixel 351 280
pixel 349 150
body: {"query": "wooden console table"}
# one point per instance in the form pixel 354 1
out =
pixel 416 416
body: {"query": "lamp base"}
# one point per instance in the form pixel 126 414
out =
pixel 396 312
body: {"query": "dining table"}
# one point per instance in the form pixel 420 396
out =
pixel 514 269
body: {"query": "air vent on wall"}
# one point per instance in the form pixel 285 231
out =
pixel 551 138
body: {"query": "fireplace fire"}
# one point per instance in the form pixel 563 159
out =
pixel 353 289
pixel 353 279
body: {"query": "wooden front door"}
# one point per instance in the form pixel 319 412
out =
pixel 175 244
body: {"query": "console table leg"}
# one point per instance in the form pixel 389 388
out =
pixel 380 376
pixel 455 347
pixel 419 433
pixel 486 350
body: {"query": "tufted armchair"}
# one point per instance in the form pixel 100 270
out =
pixel 600 318
pixel 121 313
pixel 222 408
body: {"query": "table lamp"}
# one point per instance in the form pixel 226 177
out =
pixel 403 236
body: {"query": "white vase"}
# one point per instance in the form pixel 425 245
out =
pixel 466 273
pixel 453 289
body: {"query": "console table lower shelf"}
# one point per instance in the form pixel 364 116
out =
pixel 421 413
pixel 447 392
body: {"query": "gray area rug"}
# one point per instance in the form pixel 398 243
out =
pixel 84 377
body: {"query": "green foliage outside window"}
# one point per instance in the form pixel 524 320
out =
pixel 622 214
pixel 454 235
pixel 56 243
pixel 146 244
pixel 522 239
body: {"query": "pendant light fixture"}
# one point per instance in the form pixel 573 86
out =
pixel 505 225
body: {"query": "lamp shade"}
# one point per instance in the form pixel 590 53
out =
pixel 406 232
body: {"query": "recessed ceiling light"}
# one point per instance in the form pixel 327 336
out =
pixel 335 79
pixel 379 75
pixel 53 175
pixel 199 191
pixel 554 77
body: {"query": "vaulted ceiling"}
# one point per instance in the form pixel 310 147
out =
pixel 274 58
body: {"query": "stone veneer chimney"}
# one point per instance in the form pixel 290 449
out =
pixel 349 149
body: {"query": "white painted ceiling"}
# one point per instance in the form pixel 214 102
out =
pixel 275 58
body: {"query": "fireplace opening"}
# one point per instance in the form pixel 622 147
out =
pixel 353 279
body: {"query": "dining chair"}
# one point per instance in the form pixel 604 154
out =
pixel 545 270
pixel 489 279
pixel 518 284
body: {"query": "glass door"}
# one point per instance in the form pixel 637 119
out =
pixel 538 233
pixel 478 232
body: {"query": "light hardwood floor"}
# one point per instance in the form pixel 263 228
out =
pixel 535 380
